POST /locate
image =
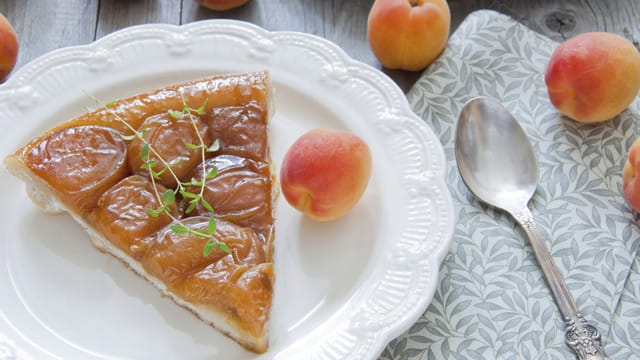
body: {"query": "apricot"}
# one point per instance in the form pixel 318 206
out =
pixel 169 138
pixel 81 161
pixel 240 129
pixel 8 47
pixel 325 173
pixel 631 176
pixel 222 5
pixel 239 193
pixel 593 76
pixel 122 214
pixel 171 256
pixel 408 34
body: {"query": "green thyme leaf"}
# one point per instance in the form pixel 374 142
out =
pixel 189 195
pixel 149 164
pixel 214 147
pixel 179 229
pixel 206 204
pixel 208 248
pixel 143 132
pixel 191 207
pixel 194 182
pixel 201 109
pixel 211 227
pixel 169 197
pixel 145 152
pixel 156 212
pixel 192 146
pixel 212 173
pixel 111 103
pixel 156 174
pixel 175 114
pixel 127 137
pixel 222 246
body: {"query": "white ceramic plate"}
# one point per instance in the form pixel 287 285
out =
pixel 344 289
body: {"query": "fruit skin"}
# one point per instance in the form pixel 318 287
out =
pixel 593 76
pixel 631 176
pixel 8 47
pixel 325 172
pixel 222 5
pixel 407 36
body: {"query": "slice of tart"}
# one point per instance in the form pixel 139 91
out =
pixel 177 184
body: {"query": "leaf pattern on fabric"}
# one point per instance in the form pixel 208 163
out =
pixel 492 301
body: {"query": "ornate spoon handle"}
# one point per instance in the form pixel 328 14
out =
pixel 583 338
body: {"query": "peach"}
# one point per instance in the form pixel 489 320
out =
pixel 593 77
pixel 325 173
pixel 631 176
pixel 222 5
pixel 8 47
pixel 408 34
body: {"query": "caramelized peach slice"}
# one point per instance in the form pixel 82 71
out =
pixel 240 130
pixel 238 193
pixel 171 256
pixel 122 214
pixel 81 161
pixel 244 290
pixel 171 139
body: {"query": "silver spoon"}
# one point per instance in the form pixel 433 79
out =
pixel 497 163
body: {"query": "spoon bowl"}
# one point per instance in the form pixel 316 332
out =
pixel 494 155
pixel 497 163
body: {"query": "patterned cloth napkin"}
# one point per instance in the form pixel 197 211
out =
pixel 492 301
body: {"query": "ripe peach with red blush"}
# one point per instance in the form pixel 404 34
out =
pixel 8 47
pixel 593 76
pixel 325 173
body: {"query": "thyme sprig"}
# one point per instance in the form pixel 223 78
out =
pixel 168 197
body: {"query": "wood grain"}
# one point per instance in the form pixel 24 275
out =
pixel 117 14
pixel 45 25
pixel 561 20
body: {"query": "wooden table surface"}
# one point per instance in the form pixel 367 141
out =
pixel 46 25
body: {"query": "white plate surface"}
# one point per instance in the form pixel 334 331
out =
pixel 344 289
